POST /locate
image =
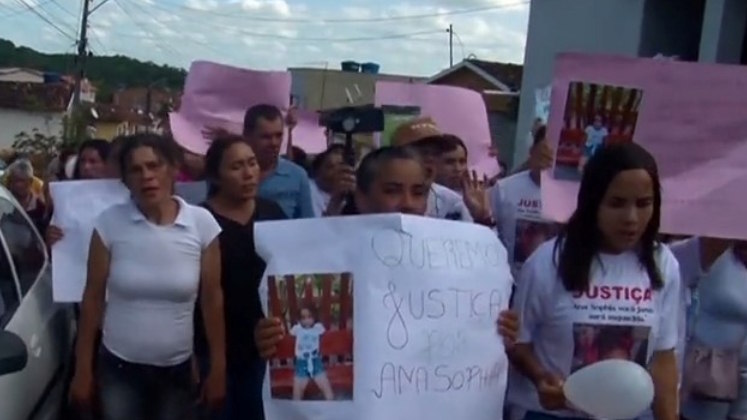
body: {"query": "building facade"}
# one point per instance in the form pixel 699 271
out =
pixel 499 85
pixel 694 30
pixel 322 89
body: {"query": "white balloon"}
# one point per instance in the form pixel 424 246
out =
pixel 612 390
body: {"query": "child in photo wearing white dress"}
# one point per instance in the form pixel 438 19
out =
pixel 308 359
pixel 595 135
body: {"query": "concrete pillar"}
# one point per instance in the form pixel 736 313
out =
pixel 723 31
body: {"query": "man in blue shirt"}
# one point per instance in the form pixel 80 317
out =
pixel 282 180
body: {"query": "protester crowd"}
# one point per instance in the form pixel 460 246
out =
pixel 171 298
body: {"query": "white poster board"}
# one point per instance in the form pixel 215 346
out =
pixel 76 206
pixel 420 298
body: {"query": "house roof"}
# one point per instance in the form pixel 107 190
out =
pixel 11 70
pixel 50 97
pixel 504 76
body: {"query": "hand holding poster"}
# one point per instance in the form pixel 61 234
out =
pixel 688 115
pixel 217 96
pixel 395 317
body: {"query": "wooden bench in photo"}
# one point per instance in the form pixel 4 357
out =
pixel 336 345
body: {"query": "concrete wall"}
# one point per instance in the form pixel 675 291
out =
pixel 593 26
pixel 723 31
pixel 14 121
pixel 696 30
pixel 318 89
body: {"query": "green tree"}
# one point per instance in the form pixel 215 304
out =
pixel 107 73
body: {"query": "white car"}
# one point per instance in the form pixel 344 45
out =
pixel 36 334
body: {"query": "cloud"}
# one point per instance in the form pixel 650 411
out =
pixel 276 34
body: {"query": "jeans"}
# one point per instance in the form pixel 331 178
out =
pixel 130 391
pixel 243 392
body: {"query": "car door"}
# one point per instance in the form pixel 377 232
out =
pixel 39 322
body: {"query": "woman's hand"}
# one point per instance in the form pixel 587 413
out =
pixel 508 327
pixel 214 390
pixel 53 235
pixel 550 391
pixel 475 196
pixel 267 335
pixel 82 389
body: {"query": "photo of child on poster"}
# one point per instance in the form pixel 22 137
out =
pixel 315 359
pixel 594 115
pixel 530 234
pixel 594 343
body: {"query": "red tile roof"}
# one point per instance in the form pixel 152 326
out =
pixel 35 96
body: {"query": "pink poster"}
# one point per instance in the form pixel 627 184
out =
pixel 457 111
pixel 690 116
pixel 217 96
pixel 307 134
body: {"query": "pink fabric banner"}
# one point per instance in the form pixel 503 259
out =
pixel 691 117
pixel 457 111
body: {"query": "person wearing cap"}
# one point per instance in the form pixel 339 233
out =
pixel 423 136
pixel 282 181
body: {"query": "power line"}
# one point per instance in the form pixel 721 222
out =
pixel 15 12
pixel 160 46
pixel 243 17
pixel 303 39
pixel 45 19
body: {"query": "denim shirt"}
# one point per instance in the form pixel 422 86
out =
pixel 288 186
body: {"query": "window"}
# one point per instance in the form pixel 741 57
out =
pixel 24 245
pixel 9 296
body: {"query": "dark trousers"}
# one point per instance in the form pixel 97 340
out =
pixel 243 392
pixel 129 391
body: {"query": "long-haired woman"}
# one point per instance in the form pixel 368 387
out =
pixel 233 177
pixel 605 270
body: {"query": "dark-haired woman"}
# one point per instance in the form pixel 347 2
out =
pixel 605 269
pixel 92 159
pixel 332 182
pixel 91 162
pixel 232 173
pixel 148 258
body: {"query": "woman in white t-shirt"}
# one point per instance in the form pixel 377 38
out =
pixel 605 288
pixel 717 331
pixel 148 258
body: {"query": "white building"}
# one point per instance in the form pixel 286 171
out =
pixel 21 75
pixel 25 107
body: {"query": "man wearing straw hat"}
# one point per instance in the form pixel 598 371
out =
pixel 422 135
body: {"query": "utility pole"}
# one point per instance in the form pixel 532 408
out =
pixel 451 45
pixel 82 54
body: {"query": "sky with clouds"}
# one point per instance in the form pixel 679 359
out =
pixel 404 37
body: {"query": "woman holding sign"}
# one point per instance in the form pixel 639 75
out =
pixel 605 282
pixel 389 180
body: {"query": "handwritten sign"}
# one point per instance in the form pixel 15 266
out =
pixel 690 119
pixel 427 294
pixel 77 204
